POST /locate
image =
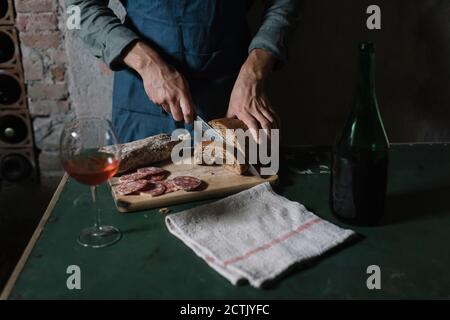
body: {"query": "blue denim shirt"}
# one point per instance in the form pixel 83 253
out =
pixel 107 37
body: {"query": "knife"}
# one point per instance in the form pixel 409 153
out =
pixel 212 134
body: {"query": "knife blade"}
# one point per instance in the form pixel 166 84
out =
pixel 213 134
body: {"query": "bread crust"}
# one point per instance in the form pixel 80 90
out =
pixel 222 125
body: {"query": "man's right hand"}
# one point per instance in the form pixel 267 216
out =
pixel 164 85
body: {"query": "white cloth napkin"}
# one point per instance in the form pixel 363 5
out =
pixel 254 235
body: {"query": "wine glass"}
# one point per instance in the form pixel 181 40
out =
pixel 90 154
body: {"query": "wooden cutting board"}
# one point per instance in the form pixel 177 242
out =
pixel 218 183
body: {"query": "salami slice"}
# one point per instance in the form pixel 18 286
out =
pixel 157 177
pixel 187 183
pixel 133 176
pixel 151 170
pixel 154 189
pixel 170 186
pixel 130 187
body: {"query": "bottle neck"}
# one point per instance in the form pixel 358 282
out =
pixel 364 128
pixel 366 75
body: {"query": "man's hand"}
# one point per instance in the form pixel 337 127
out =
pixel 164 85
pixel 248 101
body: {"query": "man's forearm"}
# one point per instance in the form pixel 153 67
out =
pixel 259 64
pixel 141 57
pixel 280 17
pixel 102 31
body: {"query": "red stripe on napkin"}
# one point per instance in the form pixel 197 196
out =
pixel 270 244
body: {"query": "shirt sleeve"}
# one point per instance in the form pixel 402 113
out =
pixel 102 31
pixel 280 17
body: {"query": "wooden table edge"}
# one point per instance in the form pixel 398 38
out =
pixel 34 238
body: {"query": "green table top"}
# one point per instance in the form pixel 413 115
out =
pixel 410 246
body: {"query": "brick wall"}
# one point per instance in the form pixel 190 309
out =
pixel 61 75
pixel 40 24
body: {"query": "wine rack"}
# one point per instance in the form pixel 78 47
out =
pixel 18 166
pixel 15 129
pixel 9 48
pixel 18 159
pixel 6 12
pixel 12 90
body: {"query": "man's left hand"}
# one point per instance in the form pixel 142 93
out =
pixel 249 101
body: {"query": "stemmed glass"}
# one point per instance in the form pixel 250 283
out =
pixel 90 154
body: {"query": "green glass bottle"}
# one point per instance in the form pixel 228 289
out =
pixel 360 154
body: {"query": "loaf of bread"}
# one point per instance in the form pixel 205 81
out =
pixel 223 124
pixel 205 153
pixel 211 153
pixel 143 152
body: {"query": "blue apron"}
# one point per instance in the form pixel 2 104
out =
pixel 206 40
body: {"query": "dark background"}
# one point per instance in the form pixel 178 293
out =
pixel 314 91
